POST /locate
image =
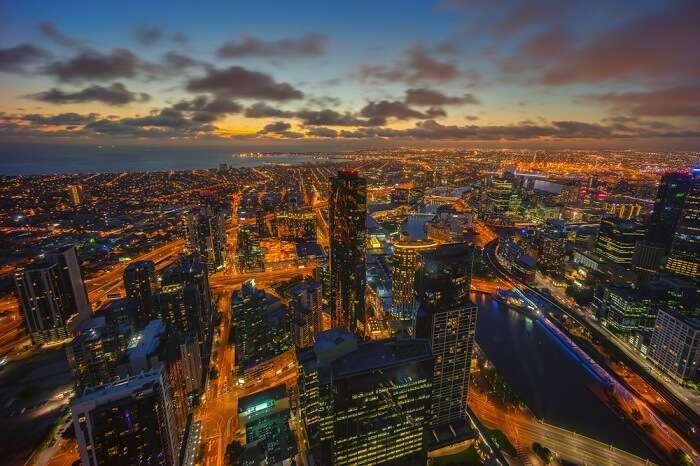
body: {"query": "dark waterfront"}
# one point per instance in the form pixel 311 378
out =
pixel 552 384
pixel 32 159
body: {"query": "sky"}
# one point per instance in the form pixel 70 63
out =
pixel 623 74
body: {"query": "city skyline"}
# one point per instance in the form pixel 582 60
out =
pixel 448 73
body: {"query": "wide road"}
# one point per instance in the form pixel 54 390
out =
pixel 664 432
pixel 523 429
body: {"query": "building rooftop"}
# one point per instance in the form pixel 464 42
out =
pixel 120 387
pixel 274 394
pixel 381 354
pixel 147 340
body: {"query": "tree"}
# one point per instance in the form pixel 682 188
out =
pixel 213 373
pixel 233 452
pixel 680 458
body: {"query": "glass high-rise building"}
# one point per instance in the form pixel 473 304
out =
pixel 447 319
pixel 127 422
pixel 617 239
pixel 52 296
pixel 406 262
pixel 140 284
pixel 348 211
pixel 366 403
pixel 684 258
pixel 669 202
pixel 205 235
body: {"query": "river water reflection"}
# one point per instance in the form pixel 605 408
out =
pixel 548 379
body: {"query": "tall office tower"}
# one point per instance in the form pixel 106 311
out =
pixel 52 297
pixel 140 284
pixel 367 403
pixel 348 211
pixel 67 260
pixel 684 258
pixel 670 198
pixel 127 422
pixel 157 346
pixel 205 235
pixel 501 198
pixel 93 354
pixel 648 256
pixel 185 302
pixel 406 262
pixel 261 327
pixel 306 311
pixel 551 246
pixel 77 194
pixel 675 345
pixel 250 256
pixel 447 319
pixel 617 239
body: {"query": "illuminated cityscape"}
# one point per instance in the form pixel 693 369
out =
pixel 383 233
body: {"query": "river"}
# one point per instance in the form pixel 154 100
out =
pixel 547 378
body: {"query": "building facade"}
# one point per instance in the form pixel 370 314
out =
pixel 348 211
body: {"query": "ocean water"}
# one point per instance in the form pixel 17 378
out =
pixel 33 159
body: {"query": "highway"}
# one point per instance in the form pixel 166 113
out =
pixel 522 429
pixel 663 432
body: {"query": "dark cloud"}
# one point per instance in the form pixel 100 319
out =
pixel 237 81
pixel 307 45
pixel 321 132
pixel 148 35
pixel 116 94
pixel 280 128
pixel 328 117
pixel 679 101
pixel 50 30
pixel 14 59
pixel 61 119
pixel 384 109
pixel 435 112
pixel 263 110
pixel 206 110
pixel 471 117
pixel 418 65
pixel 429 97
pixel 119 63
pixel 179 61
pixel 662 45
pixel 276 127
pixel 432 130
pixel 181 38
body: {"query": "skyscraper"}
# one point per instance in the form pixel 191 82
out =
pixel 447 319
pixel 250 256
pixel 670 198
pixel 551 246
pixel 140 284
pixel 67 260
pixel 406 262
pixel 93 354
pixel 205 235
pixel 617 239
pixel 52 296
pixel 684 258
pixel 367 403
pixel 348 209
pixel 185 302
pixel 127 422
pixel 306 311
